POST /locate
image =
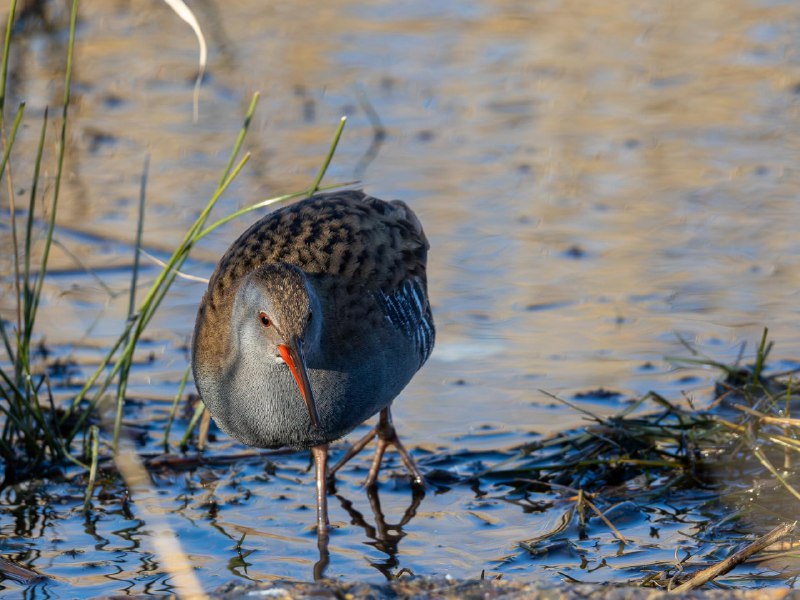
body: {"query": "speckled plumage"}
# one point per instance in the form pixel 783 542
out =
pixel 364 261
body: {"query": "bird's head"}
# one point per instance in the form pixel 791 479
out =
pixel 277 314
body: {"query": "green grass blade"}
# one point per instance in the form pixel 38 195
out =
pixel 10 406
pixel 248 118
pixel 45 421
pixel 262 204
pixel 174 408
pixel 121 389
pixel 6 452
pixel 328 158
pixel 19 414
pixel 12 357
pixel 760 357
pixel 246 210
pixel 27 299
pixel 18 360
pixel 198 412
pixel 138 243
pixel 99 371
pixel 95 437
pixel 62 145
pixel 6 47
pixel 11 138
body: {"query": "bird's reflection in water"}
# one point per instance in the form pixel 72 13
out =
pixel 385 536
pixel 323 537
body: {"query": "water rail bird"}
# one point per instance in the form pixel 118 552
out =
pixel 314 320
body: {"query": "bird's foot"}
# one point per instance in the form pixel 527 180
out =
pixel 387 436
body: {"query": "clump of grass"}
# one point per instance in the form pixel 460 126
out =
pixel 35 432
pixel 750 418
pixel 30 434
pixel 744 443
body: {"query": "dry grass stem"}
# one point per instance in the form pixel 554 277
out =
pixel 702 577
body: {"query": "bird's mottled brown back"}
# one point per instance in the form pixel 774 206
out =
pixel 351 243
pixel 347 234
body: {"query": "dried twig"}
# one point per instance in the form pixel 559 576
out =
pixel 771 468
pixel 605 520
pixel 202 434
pixel 180 274
pixel 583 497
pixel 767 418
pixel 573 406
pixel 18 573
pixel 704 576
pixel 192 461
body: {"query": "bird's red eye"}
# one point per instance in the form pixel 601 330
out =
pixel 265 320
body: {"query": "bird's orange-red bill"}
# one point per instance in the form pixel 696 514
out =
pixel 292 355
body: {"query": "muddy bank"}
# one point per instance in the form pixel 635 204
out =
pixel 423 588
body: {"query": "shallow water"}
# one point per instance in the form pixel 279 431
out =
pixel 593 180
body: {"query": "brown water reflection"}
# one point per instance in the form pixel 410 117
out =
pixel 593 177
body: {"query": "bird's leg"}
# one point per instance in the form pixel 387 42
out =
pixel 387 435
pixel 320 454
pixel 357 447
pixel 321 460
